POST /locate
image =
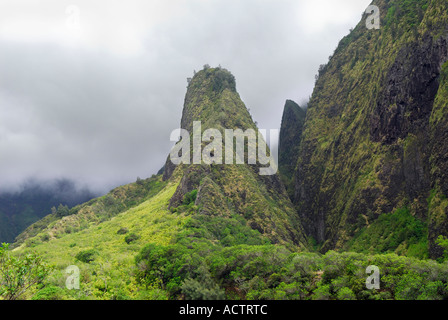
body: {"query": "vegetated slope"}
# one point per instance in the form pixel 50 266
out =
pixel 103 242
pixel 374 139
pixel 34 200
pixel 290 135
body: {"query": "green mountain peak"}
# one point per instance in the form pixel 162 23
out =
pixel 224 190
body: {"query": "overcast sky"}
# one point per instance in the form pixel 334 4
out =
pixel 91 90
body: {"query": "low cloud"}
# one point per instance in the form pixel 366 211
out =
pixel 97 103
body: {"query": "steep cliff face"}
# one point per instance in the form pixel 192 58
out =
pixel 438 203
pixel 290 135
pixel 371 143
pixel 225 190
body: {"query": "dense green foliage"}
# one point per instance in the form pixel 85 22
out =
pixel 443 243
pixel 190 197
pixel 273 272
pixel 18 275
pixel 131 238
pixel 397 232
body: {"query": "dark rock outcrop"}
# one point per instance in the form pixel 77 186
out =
pixel 290 136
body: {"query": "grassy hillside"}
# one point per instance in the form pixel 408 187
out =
pixel 92 212
pixel 110 274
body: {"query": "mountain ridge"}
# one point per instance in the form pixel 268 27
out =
pixel 365 148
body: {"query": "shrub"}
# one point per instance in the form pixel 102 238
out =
pixel 169 265
pixel 203 287
pixel 131 238
pixel 190 197
pixel 86 256
pixel 61 211
pixel 443 242
pixel 122 231
pixel 19 274
pixel 346 294
pixel 322 293
pixel 50 293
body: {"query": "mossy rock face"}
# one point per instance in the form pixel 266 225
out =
pixel 371 123
pixel 211 200
pixel 438 204
pixel 190 181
